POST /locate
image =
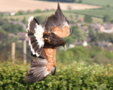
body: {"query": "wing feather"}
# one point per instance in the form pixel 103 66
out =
pixel 45 64
pixel 39 70
pixel 43 44
pixel 58 24
pixel 35 34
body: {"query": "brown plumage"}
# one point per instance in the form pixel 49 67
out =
pixel 43 44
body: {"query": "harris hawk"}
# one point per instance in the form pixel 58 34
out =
pixel 43 43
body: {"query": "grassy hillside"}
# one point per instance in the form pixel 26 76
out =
pixel 70 15
pixel 98 2
pixel 96 13
pixel 20 17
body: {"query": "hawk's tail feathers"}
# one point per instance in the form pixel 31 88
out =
pixel 38 71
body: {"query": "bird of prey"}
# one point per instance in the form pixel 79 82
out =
pixel 43 43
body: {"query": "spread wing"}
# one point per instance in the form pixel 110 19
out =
pixel 35 35
pixel 43 44
pixel 40 68
pixel 58 24
pixel 44 62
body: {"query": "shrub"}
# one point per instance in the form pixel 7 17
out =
pixel 77 76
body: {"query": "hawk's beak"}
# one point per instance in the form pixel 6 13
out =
pixel 65 47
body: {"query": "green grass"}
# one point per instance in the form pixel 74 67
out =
pixel 20 17
pixel 98 2
pixel 96 12
pixel 70 15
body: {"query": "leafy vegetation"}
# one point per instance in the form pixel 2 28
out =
pixel 76 76
pixel 99 36
pixel 7 27
pixel 87 54
pixel 80 35
pixel 106 18
pixel 88 19
pixel 77 35
pixel 12 28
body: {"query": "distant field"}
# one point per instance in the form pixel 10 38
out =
pixel 71 16
pixel 46 14
pixel 15 5
pixel 20 17
pixel 99 2
pixel 96 12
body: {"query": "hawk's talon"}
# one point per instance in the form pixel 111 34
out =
pixel 48 40
pixel 47 32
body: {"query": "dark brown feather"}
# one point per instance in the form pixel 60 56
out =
pixel 45 62
pixel 54 41
pixel 33 31
pixel 55 20
pixel 38 69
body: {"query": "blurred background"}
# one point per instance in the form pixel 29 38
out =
pixel 90 20
pixel 86 64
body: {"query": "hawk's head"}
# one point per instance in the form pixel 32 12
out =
pixel 52 39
